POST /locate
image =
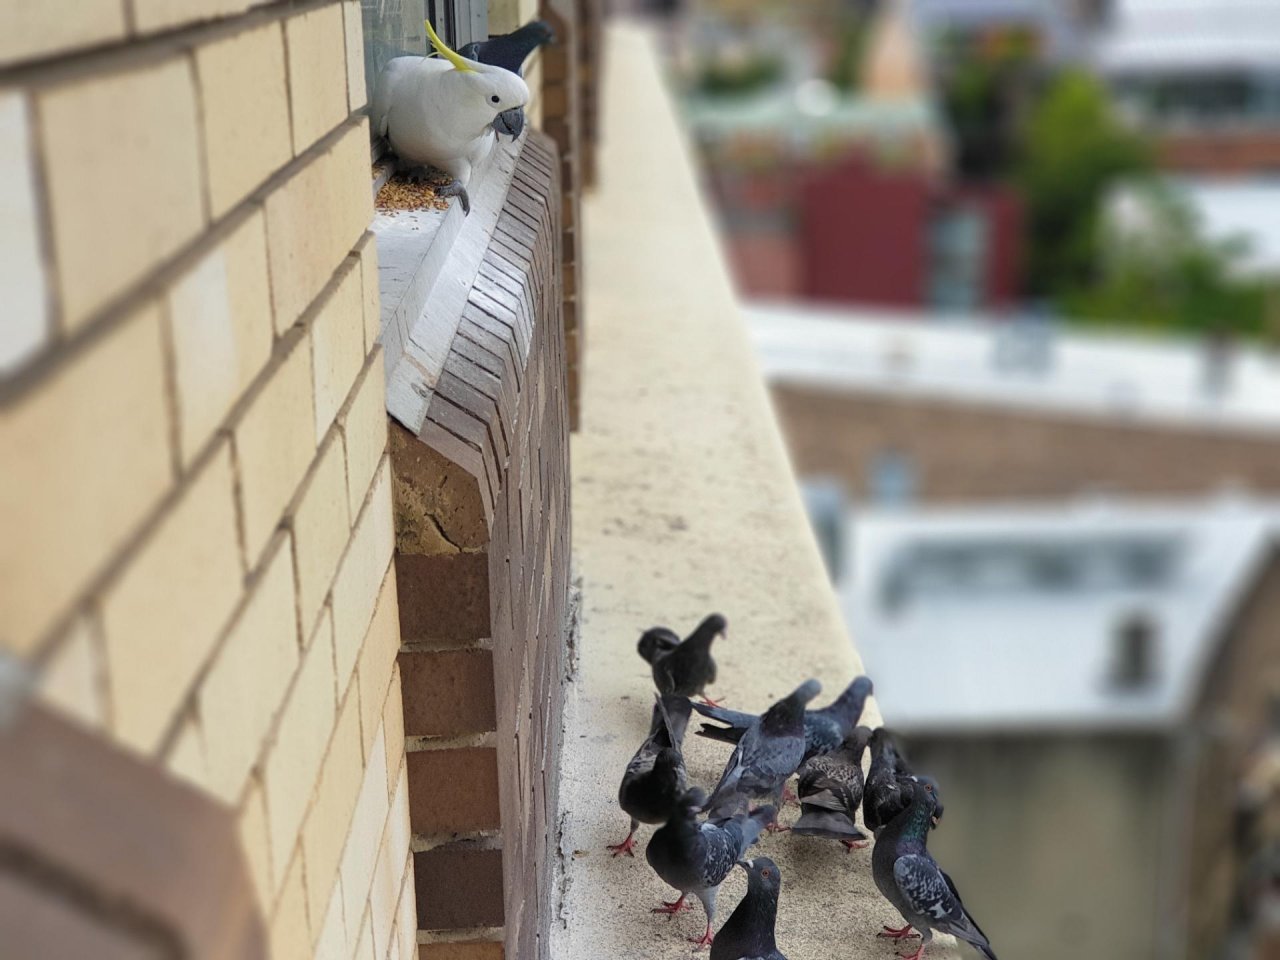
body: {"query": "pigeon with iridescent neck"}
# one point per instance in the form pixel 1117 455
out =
pixel 748 934
pixel 911 880
pixel 885 795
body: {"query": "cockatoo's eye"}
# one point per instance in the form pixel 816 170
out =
pixel 495 99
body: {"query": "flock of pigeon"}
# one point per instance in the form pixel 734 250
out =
pixel 701 838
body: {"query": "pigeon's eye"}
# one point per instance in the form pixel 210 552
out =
pixel 495 99
pixel 765 873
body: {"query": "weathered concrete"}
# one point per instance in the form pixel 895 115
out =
pixel 683 503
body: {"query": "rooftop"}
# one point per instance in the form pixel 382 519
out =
pixel 1192 35
pixel 1032 366
pixel 991 618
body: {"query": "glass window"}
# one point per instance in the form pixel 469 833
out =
pixel 393 28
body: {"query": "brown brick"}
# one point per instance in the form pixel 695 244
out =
pixel 459 886
pixel 438 503
pixel 474 950
pixel 448 693
pixel 245 109
pixel 317 73
pixel 444 598
pixel 105 240
pixel 453 791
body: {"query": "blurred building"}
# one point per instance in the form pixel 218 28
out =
pixel 1204 78
pixel 1089 684
pixel 974 409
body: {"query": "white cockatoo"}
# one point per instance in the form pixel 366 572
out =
pixel 446 111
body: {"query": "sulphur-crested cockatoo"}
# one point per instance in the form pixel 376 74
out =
pixel 445 112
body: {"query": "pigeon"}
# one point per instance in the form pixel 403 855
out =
pixel 684 669
pixel 771 749
pixel 884 795
pixel 510 50
pixel 655 779
pixel 748 933
pixel 445 112
pixel 824 729
pixel 695 857
pixel 831 792
pixel 912 881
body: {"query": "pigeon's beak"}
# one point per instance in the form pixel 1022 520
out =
pixel 746 865
pixel 933 822
pixel 510 122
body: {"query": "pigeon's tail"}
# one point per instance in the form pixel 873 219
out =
pixel 721 734
pixel 827 823
pixel 732 718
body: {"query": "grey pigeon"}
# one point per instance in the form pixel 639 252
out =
pixel 748 933
pixel 830 792
pixel 510 50
pixel 885 796
pixel 685 669
pixel 770 751
pixel 655 779
pixel 912 881
pixel 695 857
pixel 824 729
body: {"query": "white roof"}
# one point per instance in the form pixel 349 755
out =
pixel 961 358
pixel 1192 35
pixel 988 646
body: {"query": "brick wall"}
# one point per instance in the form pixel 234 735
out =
pixel 197 560
pixel 973 452
pixel 482 562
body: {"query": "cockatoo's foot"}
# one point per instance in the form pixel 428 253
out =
pixel 627 846
pixel 852 845
pixel 897 933
pixel 454 188
pixel 705 939
pixel 671 909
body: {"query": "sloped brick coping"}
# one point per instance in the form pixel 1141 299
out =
pixel 474 334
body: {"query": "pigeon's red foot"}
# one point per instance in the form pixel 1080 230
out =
pixel 896 933
pixel 852 845
pixel 788 795
pixel 671 909
pixel 705 939
pixel 913 956
pixel 708 702
pixel 627 846
pixel 776 827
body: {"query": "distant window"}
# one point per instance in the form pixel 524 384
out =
pixel 892 479
pixel 824 501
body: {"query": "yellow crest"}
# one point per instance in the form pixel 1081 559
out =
pixel 441 48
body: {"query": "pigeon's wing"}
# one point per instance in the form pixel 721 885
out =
pixel 728 784
pixel 831 786
pixel 664 673
pixel 732 718
pixel 719 848
pixel 822 733
pixel 956 893
pixel 930 893
pixel 721 734
pixel 768 761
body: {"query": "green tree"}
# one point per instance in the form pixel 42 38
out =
pixel 1074 152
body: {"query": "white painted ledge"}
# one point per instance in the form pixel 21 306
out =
pixel 683 503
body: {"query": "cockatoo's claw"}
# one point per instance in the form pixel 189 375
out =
pixel 454 188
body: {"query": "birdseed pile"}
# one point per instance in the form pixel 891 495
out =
pixel 399 194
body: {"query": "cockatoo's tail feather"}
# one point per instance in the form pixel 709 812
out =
pixel 459 63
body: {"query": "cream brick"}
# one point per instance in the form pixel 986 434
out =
pixel 325 832
pixel 314 220
pixel 378 657
pixel 71 683
pixel 124 183
pixel 220 318
pixel 393 727
pixel 30 30
pixel 368 252
pixel 159 14
pixel 356 588
pixel 245 104
pixel 274 446
pixel 389 872
pixel 247 681
pixel 364 940
pixel 364 429
pixel 321 528
pixel 58 531
pixel 354 26
pixel 22 276
pixel 333 944
pixel 186 759
pixel 252 827
pixel 337 347
pixel 363 842
pixel 294 761
pixel 407 914
pixel 317 73
pixel 162 616
pixel 290 932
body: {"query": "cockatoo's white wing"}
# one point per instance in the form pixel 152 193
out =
pixel 391 83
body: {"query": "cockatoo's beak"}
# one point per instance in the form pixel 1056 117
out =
pixel 510 122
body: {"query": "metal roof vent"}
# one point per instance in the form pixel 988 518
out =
pixel 1134 644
